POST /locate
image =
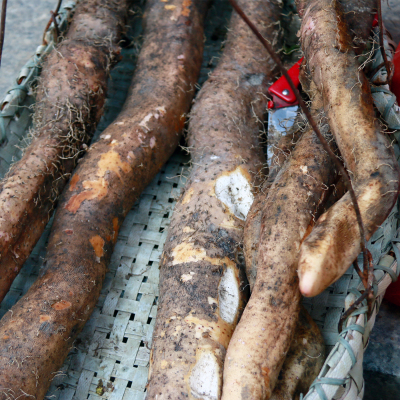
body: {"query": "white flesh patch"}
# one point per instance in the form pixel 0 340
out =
pixel 228 296
pixel 204 379
pixel 160 111
pixel 187 277
pixel 145 120
pixel 256 79
pixel 304 169
pixel 235 192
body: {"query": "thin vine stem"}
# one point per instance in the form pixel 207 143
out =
pixel 58 7
pixel 53 15
pixel 2 26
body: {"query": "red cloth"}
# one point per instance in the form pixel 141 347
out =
pixel 395 88
pixel 393 291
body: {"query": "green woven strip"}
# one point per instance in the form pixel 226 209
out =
pixel 396 252
pixel 325 381
pixel 389 104
pixel 20 92
pixel 359 311
pixel 353 327
pixel 357 293
pixel 375 288
pixel 347 346
pixel 320 392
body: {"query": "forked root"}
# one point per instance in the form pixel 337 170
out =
pixel 262 338
pixel 335 240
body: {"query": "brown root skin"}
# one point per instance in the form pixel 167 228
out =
pixel 335 241
pixel 202 284
pixel 358 15
pixel 305 357
pixel 251 237
pixel 42 326
pixel 303 361
pixel 69 105
pixel 255 356
pixel 279 345
pixel 335 192
pixel 252 227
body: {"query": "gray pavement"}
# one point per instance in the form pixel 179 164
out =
pixel 25 23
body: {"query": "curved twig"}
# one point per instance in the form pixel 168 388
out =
pixel 2 26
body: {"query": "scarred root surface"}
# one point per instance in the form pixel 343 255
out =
pixel 202 285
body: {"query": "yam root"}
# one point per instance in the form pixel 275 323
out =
pixel 42 326
pixel 358 15
pixel 305 357
pixel 303 361
pixel 251 238
pixel 277 347
pixel 263 336
pixel 202 285
pixel 69 104
pixel 251 249
pixel 334 242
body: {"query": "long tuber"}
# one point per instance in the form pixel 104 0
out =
pixel 69 104
pixel 202 284
pixel 38 332
pixel 263 336
pixel 335 240
pixel 282 152
pixel 256 355
pixel 305 356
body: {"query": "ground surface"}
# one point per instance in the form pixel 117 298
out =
pixel 25 22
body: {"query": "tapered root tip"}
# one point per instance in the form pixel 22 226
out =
pixel 309 284
pixel 315 273
pixel 317 270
